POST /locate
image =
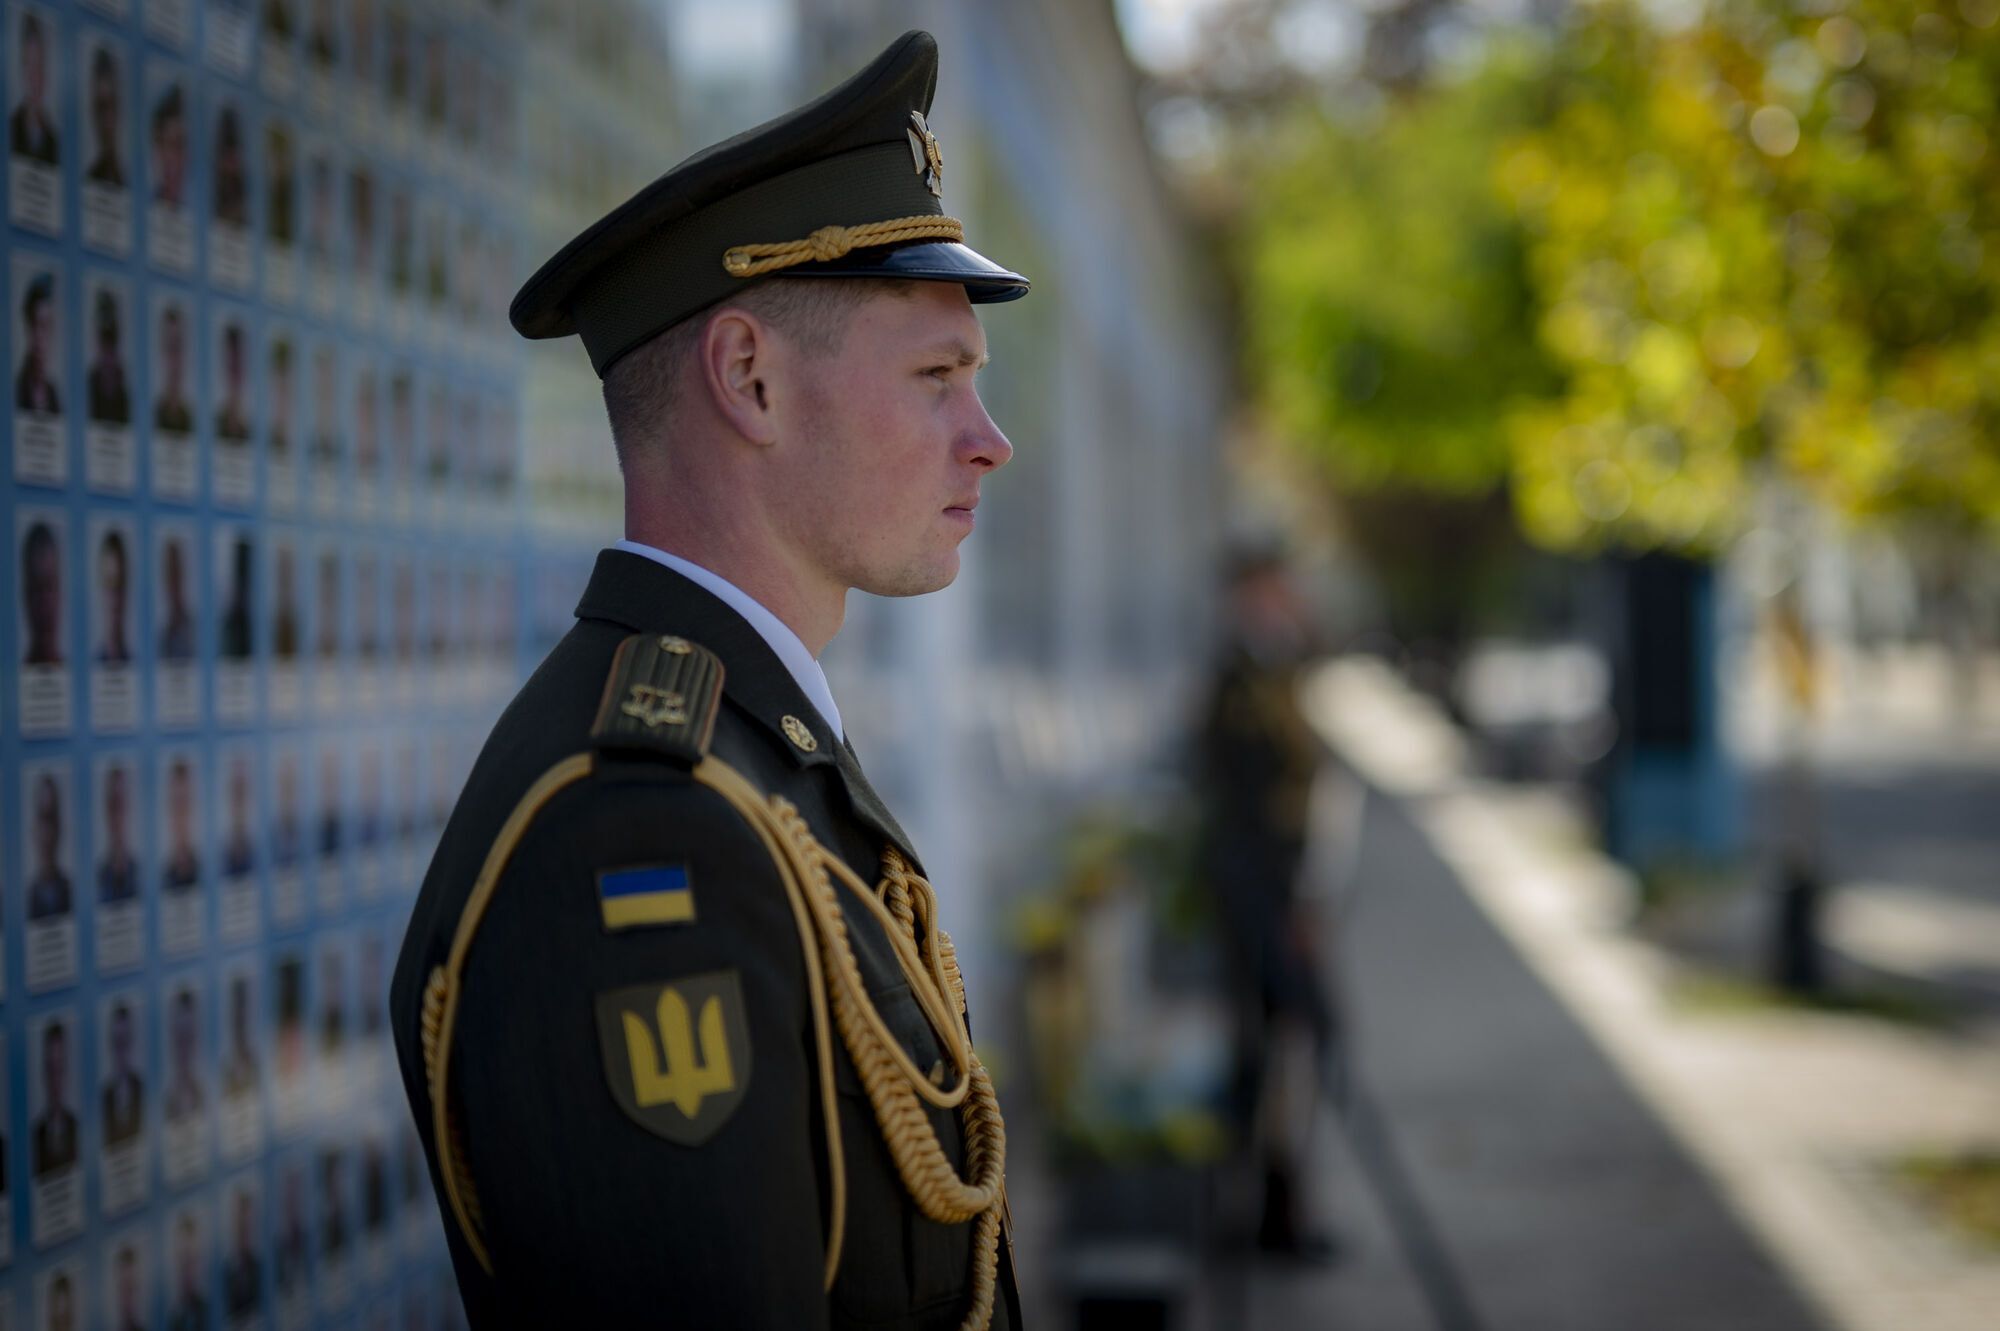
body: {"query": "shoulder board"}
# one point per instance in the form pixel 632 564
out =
pixel 661 698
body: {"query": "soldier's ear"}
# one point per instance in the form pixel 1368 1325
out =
pixel 736 356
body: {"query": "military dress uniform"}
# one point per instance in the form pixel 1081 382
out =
pixel 684 1041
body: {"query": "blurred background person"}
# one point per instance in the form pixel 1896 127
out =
pixel 1257 758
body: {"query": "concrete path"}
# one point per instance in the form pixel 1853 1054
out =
pixel 1530 1048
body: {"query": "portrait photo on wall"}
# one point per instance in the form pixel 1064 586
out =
pixel 243 1253
pixel 281 193
pixel 184 1090
pixel 285 684
pixel 45 701
pixel 291 1241
pixel 48 874
pixel 55 1145
pixel 34 131
pixel 122 1101
pixel 366 416
pixel 289 1105
pixel 9 1137
pixel 277 47
pixel 104 74
pixel 321 216
pixel 233 396
pixel 288 833
pixel 326 451
pixel 367 674
pixel 114 676
pixel 330 838
pixel 185 1243
pixel 182 909
pixel 242 1102
pixel 240 907
pixel 229 262
pixel 176 470
pixel 41 453
pixel 336 1228
pixel 128 1286
pixel 236 627
pixel 60 1296
pixel 364 274
pixel 110 455
pixel 176 580
pixel 281 420
pixel 329 683
pixel 119 921
pixel 229 35
pixel 331 1023
pixel 169 169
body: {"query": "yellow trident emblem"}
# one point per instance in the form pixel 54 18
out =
pixel 683 1078
pixel 673 1072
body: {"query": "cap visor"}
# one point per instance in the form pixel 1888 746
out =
pixel 985 281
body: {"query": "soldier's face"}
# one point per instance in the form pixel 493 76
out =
pixel 890 443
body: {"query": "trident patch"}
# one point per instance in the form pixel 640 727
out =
pixel 677 1055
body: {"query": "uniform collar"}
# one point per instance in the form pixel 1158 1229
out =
pixel 805 671
pixel 645 596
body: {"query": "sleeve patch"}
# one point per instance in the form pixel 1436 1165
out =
pixel 677 1054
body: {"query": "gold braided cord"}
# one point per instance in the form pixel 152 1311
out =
pixel 906 906
pixel 441 994
pixel 834 242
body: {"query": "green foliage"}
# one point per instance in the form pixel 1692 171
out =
pixel 1387 293
pixel 1640 276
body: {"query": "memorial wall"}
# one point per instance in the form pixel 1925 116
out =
pixel 264 510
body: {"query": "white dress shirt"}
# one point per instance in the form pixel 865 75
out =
pixel 805 670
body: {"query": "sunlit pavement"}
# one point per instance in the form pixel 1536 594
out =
pixel 1596 1152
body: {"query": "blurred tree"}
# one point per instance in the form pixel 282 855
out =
pixel 1761 242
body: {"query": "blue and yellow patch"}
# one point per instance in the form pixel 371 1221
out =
pixel 649 894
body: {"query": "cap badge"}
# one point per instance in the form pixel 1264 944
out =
pixel 924 150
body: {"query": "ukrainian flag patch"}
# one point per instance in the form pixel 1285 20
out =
pixel 649 894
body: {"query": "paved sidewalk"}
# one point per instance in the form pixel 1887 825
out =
pixel 1596 1105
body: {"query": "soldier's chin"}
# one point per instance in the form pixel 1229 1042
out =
pixel 916 579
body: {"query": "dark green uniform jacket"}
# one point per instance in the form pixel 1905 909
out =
pixel 712 1214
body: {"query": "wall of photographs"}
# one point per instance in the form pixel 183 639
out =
pixel 261 500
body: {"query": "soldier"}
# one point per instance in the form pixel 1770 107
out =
pixel 1257 761
pixel 683 1038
